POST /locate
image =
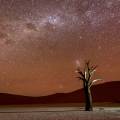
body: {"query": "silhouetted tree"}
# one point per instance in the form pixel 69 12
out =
pixel 86 77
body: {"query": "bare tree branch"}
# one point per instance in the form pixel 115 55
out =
pixel 87 70
pixel 93 68
pixel 80 72
pixel 81 78
pixel 91 83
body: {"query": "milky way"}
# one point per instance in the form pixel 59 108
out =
pixel 41 40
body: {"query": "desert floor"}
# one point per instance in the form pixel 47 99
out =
pixel 59 113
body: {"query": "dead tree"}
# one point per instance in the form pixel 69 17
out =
pixel 86 77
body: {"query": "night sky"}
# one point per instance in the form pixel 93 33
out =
pixel 41 41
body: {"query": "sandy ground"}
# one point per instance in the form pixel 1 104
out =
pixel 59 113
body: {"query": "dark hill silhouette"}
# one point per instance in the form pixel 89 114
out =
pixel 106 92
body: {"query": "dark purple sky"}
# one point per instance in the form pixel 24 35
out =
pixel 41 40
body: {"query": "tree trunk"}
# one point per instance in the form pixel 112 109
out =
pixel 88 97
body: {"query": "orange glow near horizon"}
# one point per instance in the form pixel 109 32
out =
pixel 41 40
